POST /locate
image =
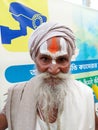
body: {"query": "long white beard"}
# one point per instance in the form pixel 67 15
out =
pixel 52 93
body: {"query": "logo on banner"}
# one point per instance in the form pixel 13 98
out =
pixel 26 17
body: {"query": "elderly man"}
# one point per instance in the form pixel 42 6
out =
pixel 52 100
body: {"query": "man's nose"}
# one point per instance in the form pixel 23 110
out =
pixel 53 69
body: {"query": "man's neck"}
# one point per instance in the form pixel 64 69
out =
pixel 51 115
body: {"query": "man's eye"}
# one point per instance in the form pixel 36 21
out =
pixel 62 60
pixel 45 59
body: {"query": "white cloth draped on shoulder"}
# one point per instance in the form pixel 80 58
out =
pixel 78 111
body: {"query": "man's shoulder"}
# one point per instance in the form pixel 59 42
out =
pixel 82 86
pixel 17 87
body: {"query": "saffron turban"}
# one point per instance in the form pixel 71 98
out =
pixel 48 30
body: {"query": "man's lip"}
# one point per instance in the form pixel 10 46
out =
pixel 52 77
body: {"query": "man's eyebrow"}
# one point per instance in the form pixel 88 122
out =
pixel 65 55
pixel 45 55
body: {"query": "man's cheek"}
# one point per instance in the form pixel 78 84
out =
pixel 66 69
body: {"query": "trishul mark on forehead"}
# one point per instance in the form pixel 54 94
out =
pixel 53 45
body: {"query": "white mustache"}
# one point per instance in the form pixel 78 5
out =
pixel 58 76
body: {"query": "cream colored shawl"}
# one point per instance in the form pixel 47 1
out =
pixel 21 105
pixel 78 111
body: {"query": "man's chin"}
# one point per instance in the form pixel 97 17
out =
pixel 52 81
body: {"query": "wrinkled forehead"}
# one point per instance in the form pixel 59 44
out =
pixel 54 45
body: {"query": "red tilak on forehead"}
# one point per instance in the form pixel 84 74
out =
pixel 53 45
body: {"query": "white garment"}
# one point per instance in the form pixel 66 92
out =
pixel 78 111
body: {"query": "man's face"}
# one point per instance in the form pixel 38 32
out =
pixel 53 61
pixel 53 57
